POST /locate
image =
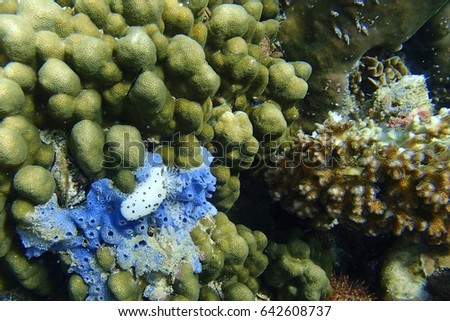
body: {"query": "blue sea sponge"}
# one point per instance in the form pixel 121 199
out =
pixel 42 230
pixel 84 264
pixel 139 243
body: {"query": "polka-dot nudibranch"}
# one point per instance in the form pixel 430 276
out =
pixel 149 193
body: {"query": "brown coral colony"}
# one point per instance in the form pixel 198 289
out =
pixel 347 172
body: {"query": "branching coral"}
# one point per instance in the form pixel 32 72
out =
pixel 373 73
pixel 371 177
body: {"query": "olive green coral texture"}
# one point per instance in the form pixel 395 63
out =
pixel 108 78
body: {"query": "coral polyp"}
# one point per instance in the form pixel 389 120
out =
pixel 135 137
pixel 78 234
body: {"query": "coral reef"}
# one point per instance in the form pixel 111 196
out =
pixel 390 175
pixel 351 28
pixel 113 62
pixel 87 89
pixel 114 227
pixel 233 259
pixel 374 73
pixel 129 129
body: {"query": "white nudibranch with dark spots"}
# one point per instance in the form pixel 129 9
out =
pixel 149 194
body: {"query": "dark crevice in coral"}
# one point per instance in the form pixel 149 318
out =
pixel 438 284
pixel 360 256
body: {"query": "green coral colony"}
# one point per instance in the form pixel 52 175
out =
pixel 88 88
